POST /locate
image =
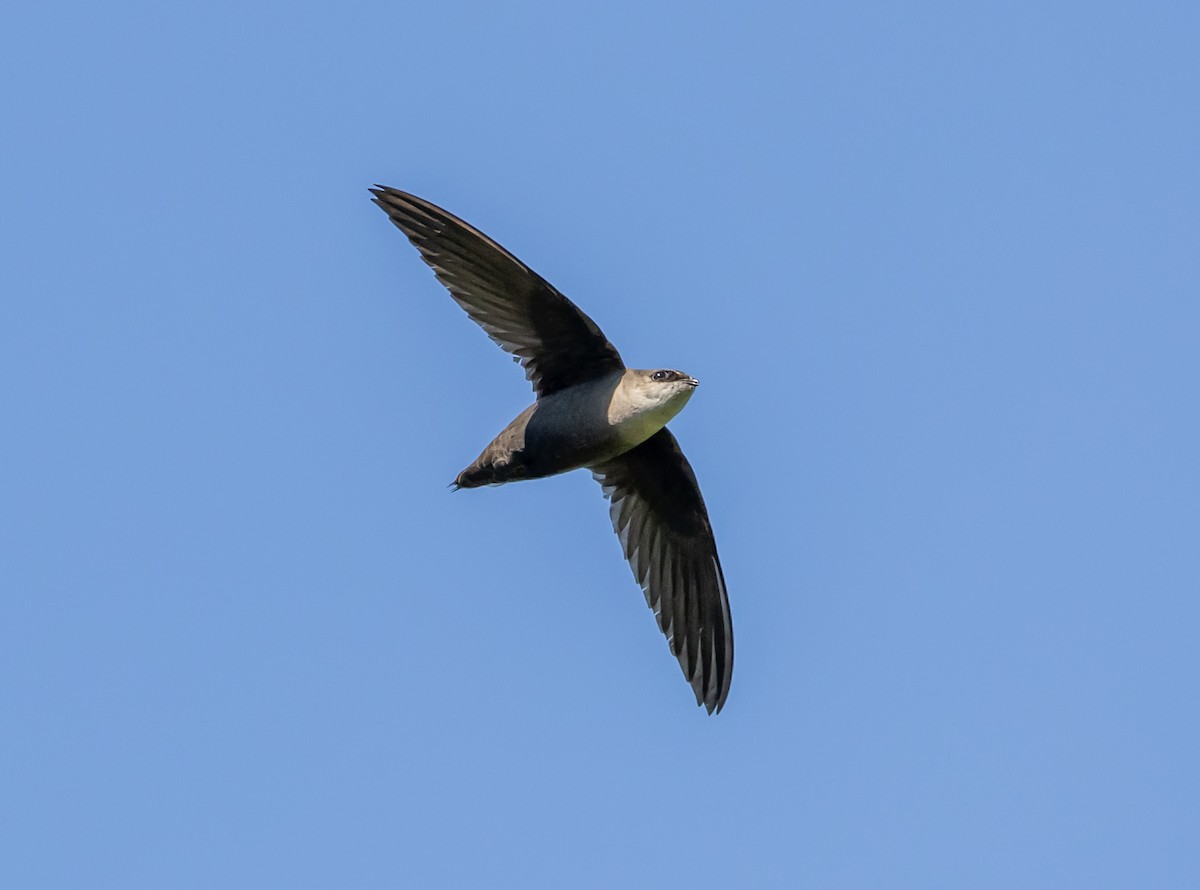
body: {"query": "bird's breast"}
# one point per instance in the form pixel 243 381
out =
pixel 635 419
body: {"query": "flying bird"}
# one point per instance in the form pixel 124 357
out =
pixel 591 412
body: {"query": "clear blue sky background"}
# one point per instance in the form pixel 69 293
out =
pixel 938 268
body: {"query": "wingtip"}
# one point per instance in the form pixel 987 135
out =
pixel 712 707
pixel 381 191
pixel 380 194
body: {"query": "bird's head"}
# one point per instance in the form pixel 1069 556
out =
pixel 661 390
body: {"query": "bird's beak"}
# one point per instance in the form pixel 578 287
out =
pixel 691 381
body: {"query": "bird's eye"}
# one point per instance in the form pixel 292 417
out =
pixel 660 375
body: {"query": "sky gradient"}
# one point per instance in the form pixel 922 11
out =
pixel 937 267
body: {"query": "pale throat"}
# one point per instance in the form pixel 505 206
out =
pixel 636 418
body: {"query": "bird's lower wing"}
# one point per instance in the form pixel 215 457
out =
pixel 659 515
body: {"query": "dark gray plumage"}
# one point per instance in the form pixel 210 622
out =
pixel 591 411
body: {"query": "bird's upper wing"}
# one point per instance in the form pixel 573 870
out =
pixel 659 515
pixel 556 344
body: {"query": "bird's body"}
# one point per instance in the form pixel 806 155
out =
pixel 591 412
pixel 581 426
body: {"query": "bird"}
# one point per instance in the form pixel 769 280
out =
pixel 591 412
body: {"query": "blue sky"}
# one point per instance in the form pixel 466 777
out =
pixel 937 267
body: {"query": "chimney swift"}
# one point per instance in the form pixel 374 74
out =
pixel 591 412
